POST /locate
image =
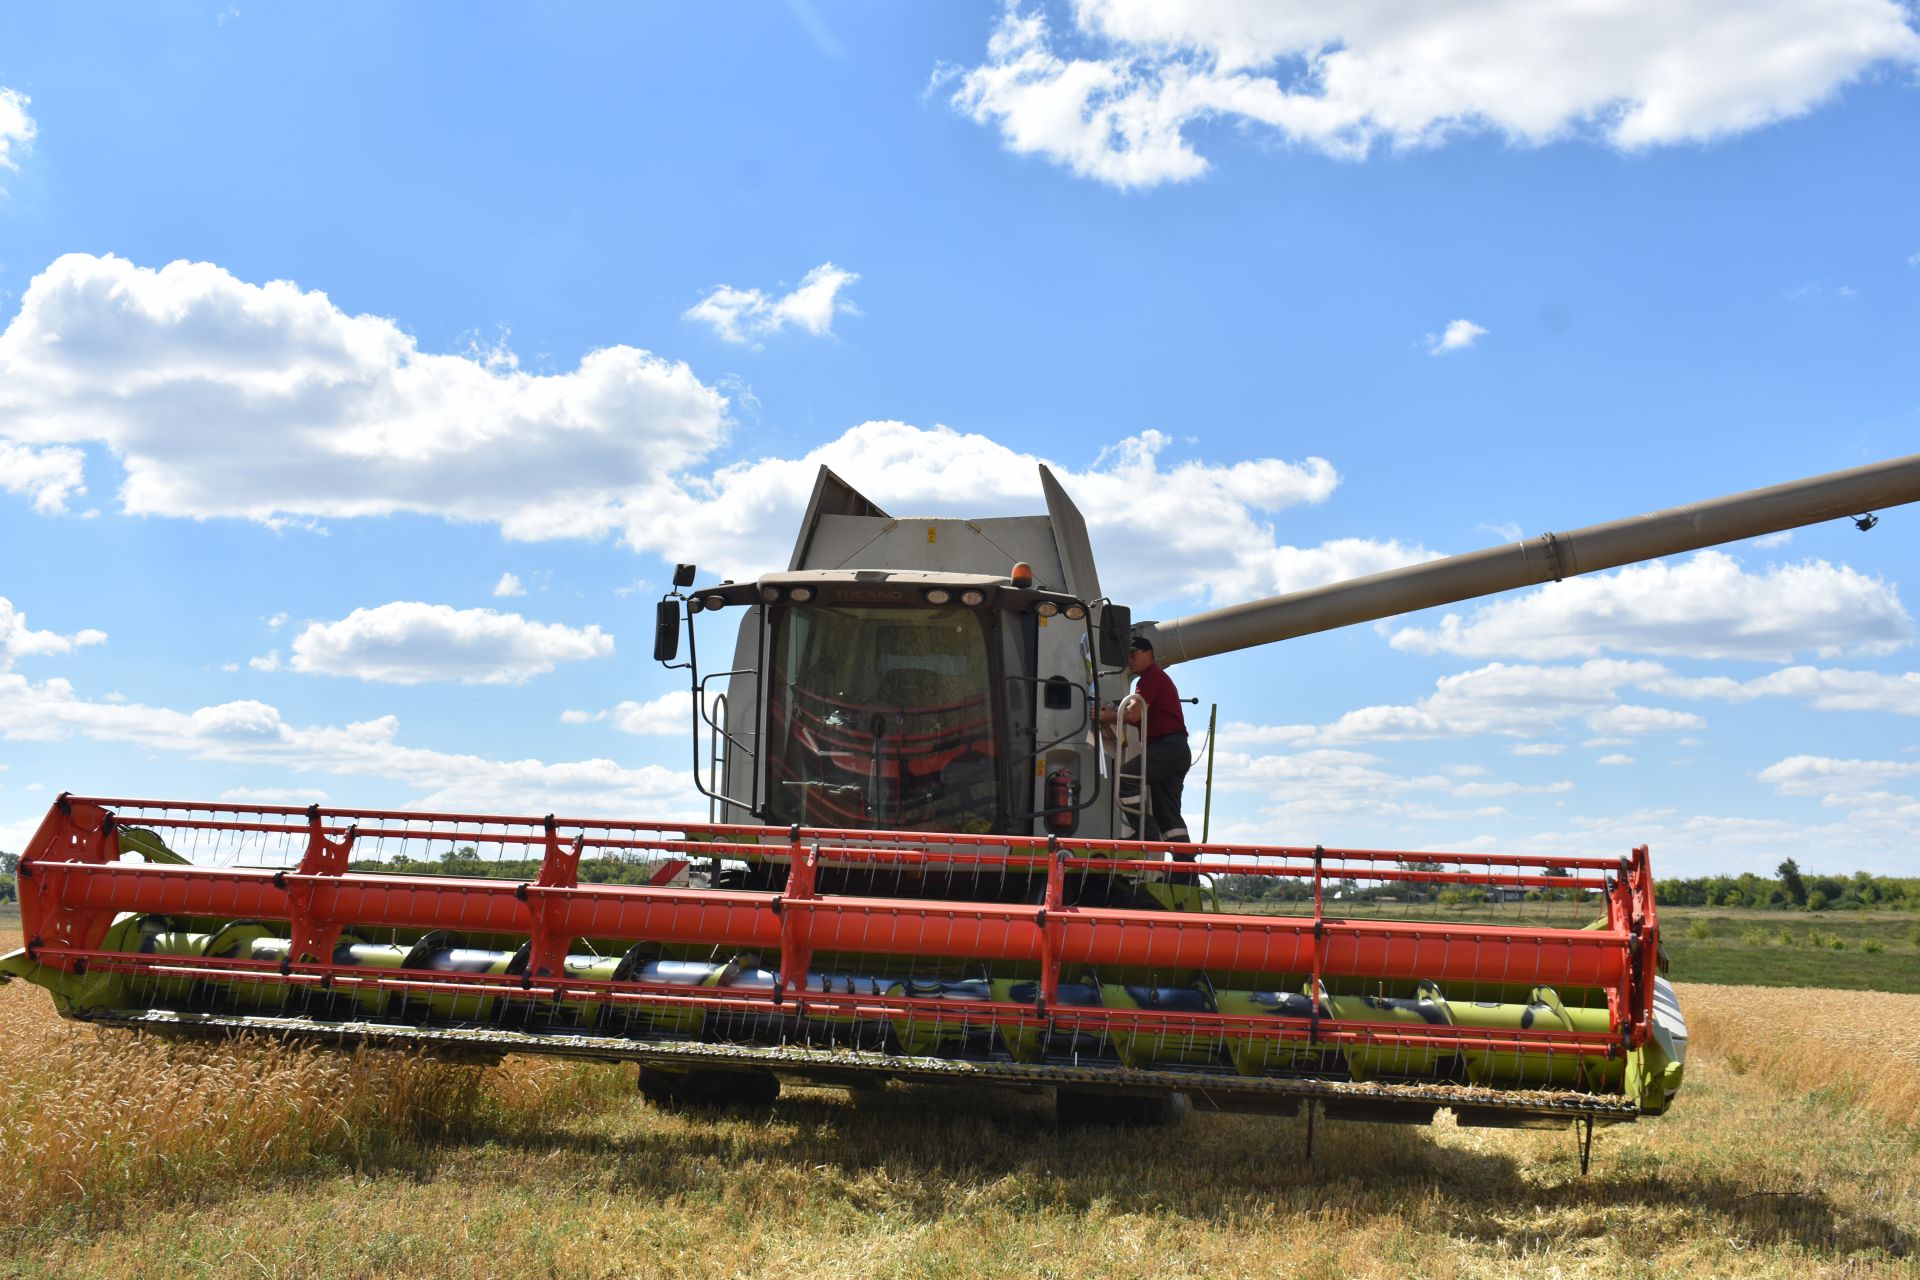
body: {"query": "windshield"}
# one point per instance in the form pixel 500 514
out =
pixel 882 717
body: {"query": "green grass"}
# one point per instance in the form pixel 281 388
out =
pixel 1794 948
pixel 1876 951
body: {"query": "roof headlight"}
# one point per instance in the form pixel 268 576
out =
pixel 1046 608
pixel 973 597
pixel 800 595
pixel 1076 611
pixel 939 595
pixel 714 601
pixel 769 595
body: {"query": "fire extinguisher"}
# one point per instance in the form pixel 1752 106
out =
pixel 1063 795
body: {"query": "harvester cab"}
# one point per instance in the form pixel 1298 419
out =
pixel 919 871
pixel 925 674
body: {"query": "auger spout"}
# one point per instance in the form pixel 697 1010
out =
pixel 1547 558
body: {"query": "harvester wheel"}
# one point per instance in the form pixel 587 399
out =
pixel 1094 1108
pixel 664 1087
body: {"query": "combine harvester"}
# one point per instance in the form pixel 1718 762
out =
pixel 919 869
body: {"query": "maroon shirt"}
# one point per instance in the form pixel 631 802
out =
pixel 1163 703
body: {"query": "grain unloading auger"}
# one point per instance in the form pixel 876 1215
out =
pixel 913 873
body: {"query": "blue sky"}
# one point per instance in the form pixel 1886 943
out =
pixel 363 370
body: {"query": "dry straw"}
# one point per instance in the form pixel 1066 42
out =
pixel 1856 1048
pixel 94 1120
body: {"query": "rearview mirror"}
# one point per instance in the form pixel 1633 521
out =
pixel 666 630
pixel 1116 635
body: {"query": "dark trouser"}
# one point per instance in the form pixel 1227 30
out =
pixel 1168 760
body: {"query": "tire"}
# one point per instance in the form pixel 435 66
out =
pixel 705 1089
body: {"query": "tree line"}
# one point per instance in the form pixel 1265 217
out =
pixel 1791 889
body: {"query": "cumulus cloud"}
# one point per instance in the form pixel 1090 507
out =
pixel 742 315
pixel 1514 700
pixel 275 795
pixel 1204 536
pixel 254 734
pixel 1704 843
pixel 1537 748
pixel 1705 606
pixel 509 585
pixel 1352 789
pixel 223 398
pixel 1829 689
pixel 1806 775
pixel 1477 790
pixel 18 640
pixel 668 714
pixel 1113 99
pixel 1614 759
pixel 1862 789
pixel 408 642
pixel 1458 336
pixel 1628 721
pixel 16 126
pixel 47 476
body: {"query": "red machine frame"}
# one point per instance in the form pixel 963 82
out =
pixel 73 884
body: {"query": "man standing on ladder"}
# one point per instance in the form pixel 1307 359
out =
pixel 1168 757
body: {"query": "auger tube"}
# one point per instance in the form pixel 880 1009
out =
pixel 1547 558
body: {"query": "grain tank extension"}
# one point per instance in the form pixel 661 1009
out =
pixel 916 867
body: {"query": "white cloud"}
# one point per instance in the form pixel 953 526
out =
pixel 741 315
pixel 408 642
pixel 1516 700
pixel 1823 775
pixel 253 734
pixel 1345 787
pixel 1860 789
pixel 48 476
pixel 508 586
pixel 1628 721
pixel 1117 105
pixel 1479 790
pixel 1458 336
pixel 1829 689
pixel 18 640
pixel 1205 535
pixel 223 398
pixel 1614 759
pixel 275 795
pixel 1537 748
pixel 1770 541
pixel 16 126
pixel 670 713
pixel 1705 606
pixel 268 661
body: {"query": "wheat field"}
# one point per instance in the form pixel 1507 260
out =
pixel 1795 1150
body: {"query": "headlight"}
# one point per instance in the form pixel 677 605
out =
pixel 714 601
pixel 1076 612
pixel 800 595
pixel 939 595
pixel 1046 608
pixel 973 599
pixel 769 595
